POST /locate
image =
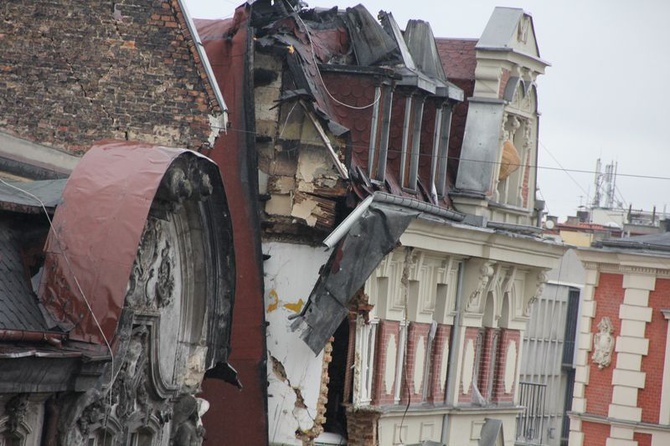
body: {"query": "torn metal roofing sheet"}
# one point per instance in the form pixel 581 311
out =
pixel 30 196
pixel 372 45
pixel 19 308
pixel 421 44
pixel 356 256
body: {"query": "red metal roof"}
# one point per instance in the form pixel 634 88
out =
pixel 96 231
pixel 227 44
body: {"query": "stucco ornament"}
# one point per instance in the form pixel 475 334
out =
pixel 539 289
pixel 603 343
pixel 485 273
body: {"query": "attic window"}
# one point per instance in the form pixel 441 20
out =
pixel 379 133
pixel 438 172
pixel 411 141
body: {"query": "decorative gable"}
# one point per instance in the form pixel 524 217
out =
pixel 496 177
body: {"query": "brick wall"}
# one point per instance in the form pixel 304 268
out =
pixel 609 296
pixel 506 336
pixel 595 434
pixel 649 398
pixel 489 361
pixel 386 330
pixel 504 79
pixel 437 388
pixel 76 71
pixel 362 427
pixel 642 439
pixel 418 333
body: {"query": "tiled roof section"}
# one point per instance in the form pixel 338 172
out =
pixel 458 58
pixel 18 304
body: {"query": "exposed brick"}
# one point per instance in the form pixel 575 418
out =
pixel 609 296
pixel 85 73
pixel 649 398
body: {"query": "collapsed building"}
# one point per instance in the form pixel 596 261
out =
pixel 117 267
pixel 394 179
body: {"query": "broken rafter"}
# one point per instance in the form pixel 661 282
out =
pixel 341 168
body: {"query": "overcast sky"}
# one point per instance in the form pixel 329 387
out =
pixel 605 96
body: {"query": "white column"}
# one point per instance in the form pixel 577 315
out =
pixel 582 360
pixel 631 346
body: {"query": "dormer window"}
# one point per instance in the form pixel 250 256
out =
pixel 379 132
pixel 411 141
pixel 438 171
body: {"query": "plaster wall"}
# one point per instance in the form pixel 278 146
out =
pixel 294 373
pixel 394 429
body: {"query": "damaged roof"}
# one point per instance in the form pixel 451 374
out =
pixel 31 196
pixel 18 303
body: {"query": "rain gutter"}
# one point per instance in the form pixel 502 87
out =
pixel 386 198
pixel 55 339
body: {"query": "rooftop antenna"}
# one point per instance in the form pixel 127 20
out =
pixel 597 184
pixel 610 181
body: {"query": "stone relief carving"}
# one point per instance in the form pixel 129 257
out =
pixel 16 409
pixel 136 400
pixel 541 282
pixel 485 274
pixel 151 281
pixel 603 343
pixel 188 429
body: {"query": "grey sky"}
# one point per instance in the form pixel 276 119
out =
pixel 605 94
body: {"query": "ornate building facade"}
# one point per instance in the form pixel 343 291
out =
pixel 621 382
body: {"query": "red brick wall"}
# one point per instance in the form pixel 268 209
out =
pixel 506 336
pixel 595 434
pixel 90 70
pixel 386 329
pixel 418 332
pixel 649 398
pixel 362 427
pixel 504 78
pixel 609 296
pixel 642 439
pixel 488 361
pixel 441 340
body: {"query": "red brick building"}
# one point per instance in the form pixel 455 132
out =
pixel 622 384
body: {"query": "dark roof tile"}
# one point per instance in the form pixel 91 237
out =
pixel 18 303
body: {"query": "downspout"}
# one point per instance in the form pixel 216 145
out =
pixel 453 353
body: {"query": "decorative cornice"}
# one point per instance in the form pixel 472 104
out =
pixel 618 422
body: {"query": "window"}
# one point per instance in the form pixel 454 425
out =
pixel 571 328
pixel 101 437
pixel 379 132
pixel 411 141
pixel 366 338
pixel 441 149
pixel 143 437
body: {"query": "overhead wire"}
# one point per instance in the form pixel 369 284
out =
pixel 323 83
pixel 112 375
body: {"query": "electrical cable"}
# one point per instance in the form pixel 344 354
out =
pixel 112 375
